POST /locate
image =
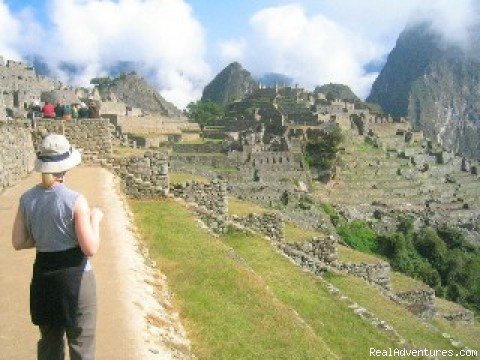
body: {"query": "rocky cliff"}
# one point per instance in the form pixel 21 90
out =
pixel 136 92
pixel 435 83
pixel 231 84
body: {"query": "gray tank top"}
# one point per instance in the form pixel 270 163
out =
pixel 48 214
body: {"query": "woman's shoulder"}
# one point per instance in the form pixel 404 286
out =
pixel 65 190
pixel 31 192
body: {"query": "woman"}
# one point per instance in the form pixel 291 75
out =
pixel 65 232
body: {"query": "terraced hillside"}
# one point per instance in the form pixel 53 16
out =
pixel 240 298
pixel 413 176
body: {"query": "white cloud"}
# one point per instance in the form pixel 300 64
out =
pixel 231 50
pixel 162 36
pixel 312 49
pixel 336 39
pixel 9 33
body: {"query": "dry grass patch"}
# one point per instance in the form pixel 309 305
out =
pixel 242 208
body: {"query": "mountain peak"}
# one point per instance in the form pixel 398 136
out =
pixel 231 84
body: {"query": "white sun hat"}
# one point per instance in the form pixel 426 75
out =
pixel 56 155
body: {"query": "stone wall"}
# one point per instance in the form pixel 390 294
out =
pixel 180 148
pixel 268 224
pixel 143 176
pixel 321 254
pixel 17 156
pixel 322 249
pixel 377 274
pixel 466 317
pixel 211 199
pixel 154 124
pixel 420 302
pixel 92 137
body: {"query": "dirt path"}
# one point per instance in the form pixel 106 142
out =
pixel 129 303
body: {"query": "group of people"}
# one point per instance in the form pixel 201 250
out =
pixel 68 112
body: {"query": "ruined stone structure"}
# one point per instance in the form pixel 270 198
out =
pixel 420 302
pixel 377 274
pixel 211 199
pixel 268 224
pixel 91 136
pixel 407 174
pixel 154 129
pixel 316 255
pixel 21 86
pixel 143 176
pixel 464 317
pixel 17 156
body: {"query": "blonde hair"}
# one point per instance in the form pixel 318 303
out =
pixel 49 179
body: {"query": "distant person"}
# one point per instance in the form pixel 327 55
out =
pixel 36 107
pixel 93 110
pixel 48 110
pixel 58 110
pixel 66 112
pixel 64 230
pixel 83 112
pixel 75 111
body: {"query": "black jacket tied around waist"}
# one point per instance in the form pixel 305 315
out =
pixel 55 287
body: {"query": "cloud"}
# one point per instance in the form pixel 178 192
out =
pixel 382 20
pixel 336 41
pixel 162 37
pixel 231 50
pixel 9 33
pixel 312 49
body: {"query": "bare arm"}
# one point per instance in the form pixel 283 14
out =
pixel 87 226
pixel 20 236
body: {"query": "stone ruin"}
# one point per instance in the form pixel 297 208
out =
pixel 17 155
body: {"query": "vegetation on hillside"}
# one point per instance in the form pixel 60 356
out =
pixel 206 113
pixel 321 150
pixel 441 257
pixel 337 91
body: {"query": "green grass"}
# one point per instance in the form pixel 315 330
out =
pixel 402 283
pixel 407 325
pixel 293 233
pixel 446 306
pixel 179 178
pixel 359 235
pixel 242 208
pixel 467 335
pixel 348 335
pixel 228 311
pixel 347 254
pixel 252 303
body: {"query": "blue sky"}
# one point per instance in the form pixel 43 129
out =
pixel 184 43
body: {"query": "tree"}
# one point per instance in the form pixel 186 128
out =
pixel 321 149
pixel 205 112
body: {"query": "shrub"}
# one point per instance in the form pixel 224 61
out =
pixel 359 235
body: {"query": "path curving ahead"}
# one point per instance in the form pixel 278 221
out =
pixel 124 297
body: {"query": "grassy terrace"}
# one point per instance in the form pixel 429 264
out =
pixel 467 335
pixel 261 307
pixel 242 208
pixel 407 325
pixel 347 254
pixel 401 282
pixel 293 233
pixel 179 178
